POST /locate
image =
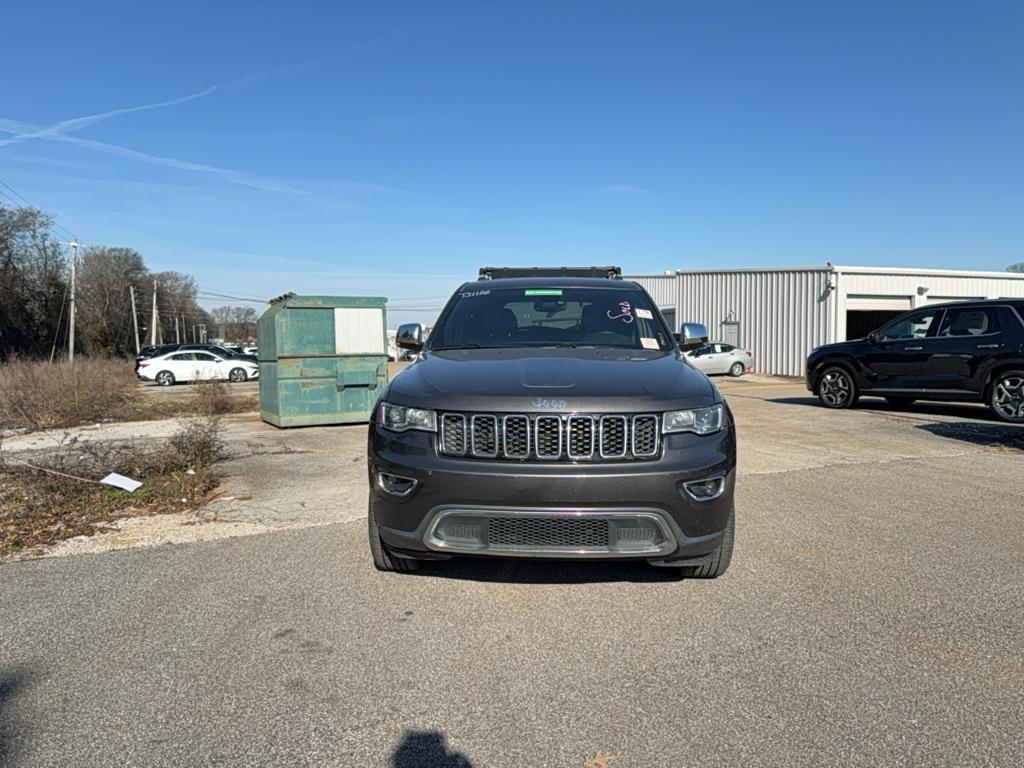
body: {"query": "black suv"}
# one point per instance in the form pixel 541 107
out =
pixel 971 351
pixel 552 417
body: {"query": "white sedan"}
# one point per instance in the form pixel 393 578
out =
pixel 196 366
pixel 717 357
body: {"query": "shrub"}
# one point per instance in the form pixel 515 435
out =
pixel 39 395
pixel 198 443
pixel 213 398
pixel 53 495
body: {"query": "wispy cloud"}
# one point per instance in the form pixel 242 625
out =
pixel 63 127
pixel 625 190
pixel 60 131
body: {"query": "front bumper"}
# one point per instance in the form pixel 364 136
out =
pixel 641 505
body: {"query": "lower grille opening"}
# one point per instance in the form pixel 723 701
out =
pixel 570 532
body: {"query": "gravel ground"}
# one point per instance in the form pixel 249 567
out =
pixel 873 615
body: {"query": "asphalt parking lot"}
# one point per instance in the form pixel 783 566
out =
pixel 873 615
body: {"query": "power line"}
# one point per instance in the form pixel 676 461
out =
pixel 26 201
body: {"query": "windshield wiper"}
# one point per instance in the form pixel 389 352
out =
pixel 467 345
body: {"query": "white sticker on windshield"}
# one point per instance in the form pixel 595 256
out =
pixel 645 314
pixel 647 343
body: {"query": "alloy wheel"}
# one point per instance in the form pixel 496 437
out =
pixel 1008 397
pixel 835 388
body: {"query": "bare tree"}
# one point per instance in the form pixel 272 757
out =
pixel 104 314
pixel 176 297
pixel 235 323
pixel 32 283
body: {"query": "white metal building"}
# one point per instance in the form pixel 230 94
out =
pixel 782 314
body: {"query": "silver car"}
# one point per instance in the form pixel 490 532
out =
pixel 717 357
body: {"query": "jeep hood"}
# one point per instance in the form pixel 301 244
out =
pixel 518 380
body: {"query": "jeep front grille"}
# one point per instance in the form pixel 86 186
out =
pixel 545 437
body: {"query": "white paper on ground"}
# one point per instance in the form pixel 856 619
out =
pixel 120 481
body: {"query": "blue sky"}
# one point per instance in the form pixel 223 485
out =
pixel 392 149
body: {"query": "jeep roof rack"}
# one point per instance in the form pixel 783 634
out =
pixel 497 273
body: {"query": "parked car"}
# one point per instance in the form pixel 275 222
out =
pixel 968 351
pixel 718 357
pixel 252 351
pixel 163 349
pixel 197 365
pixel 552 416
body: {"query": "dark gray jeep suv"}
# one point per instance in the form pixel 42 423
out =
pixel 552 417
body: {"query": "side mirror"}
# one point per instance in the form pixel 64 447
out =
pixel 692 335
pixel 872 338
pixel 410 336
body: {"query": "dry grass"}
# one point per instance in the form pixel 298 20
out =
pixel 55 496
pixel 37 395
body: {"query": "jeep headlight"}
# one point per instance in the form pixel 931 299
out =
pixel 702 421
pixel 400 418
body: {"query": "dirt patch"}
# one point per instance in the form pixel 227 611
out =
pixel 55 494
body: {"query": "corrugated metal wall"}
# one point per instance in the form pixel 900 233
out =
pixel 662 289
pixel 781 314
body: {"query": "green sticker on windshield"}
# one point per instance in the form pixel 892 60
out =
pixel 543 292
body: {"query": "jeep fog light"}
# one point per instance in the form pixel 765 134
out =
pixel 395 485
pixel 705 490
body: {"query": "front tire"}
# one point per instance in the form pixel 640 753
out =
pixel 836 388
pixel 1006 398
pixel 737 370
pixel 383 559
pixel 237 375
pixel 717 563
pixel 165 378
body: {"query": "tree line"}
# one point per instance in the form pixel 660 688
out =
pixel 35 288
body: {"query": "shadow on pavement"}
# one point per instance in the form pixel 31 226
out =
pixel 10 683
pixel 989 435
pixel 922 408
pixel 427 749
pixel 529 571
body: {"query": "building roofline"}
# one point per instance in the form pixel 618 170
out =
pixel 928 272
pixel 840 269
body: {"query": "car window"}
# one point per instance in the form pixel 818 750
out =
pixel 700 351
pixel 205 357
pixel 725 347
pixel 968 321
pixel 612 316
pixel 911 326
pixel 183 356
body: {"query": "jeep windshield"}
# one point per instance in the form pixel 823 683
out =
pixel 616 316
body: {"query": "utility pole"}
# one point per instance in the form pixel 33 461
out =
pixel 177 336
pixel 152 322
pixel 135 319
pixel 71 305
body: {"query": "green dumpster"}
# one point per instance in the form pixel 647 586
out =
pixel 323 359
